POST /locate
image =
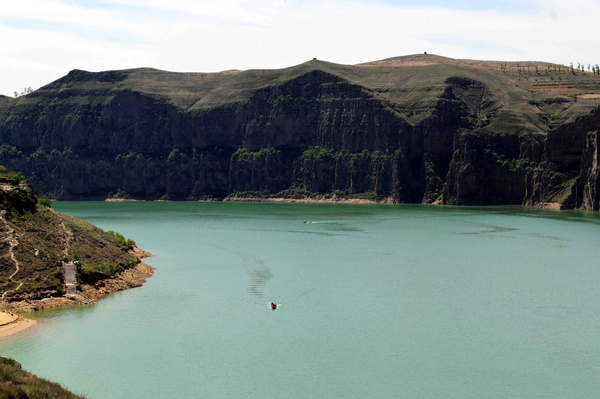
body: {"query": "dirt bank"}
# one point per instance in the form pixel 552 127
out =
pixel 11 323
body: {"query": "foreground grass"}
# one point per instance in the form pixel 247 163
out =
pixel 18 383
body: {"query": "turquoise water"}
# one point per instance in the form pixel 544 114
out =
pixel 376 301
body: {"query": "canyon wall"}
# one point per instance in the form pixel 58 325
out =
pixel 316 133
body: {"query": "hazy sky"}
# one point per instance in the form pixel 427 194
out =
pixel 43 40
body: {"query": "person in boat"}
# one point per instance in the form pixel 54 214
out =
pixel 273 305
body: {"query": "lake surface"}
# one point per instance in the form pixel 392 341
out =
pixel 377 301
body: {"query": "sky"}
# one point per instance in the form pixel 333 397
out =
pixel 42 40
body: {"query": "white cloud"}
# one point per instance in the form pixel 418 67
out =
pixel 49 38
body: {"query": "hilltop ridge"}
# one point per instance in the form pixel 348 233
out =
pixel 432 59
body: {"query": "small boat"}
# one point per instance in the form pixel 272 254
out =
pixel 273 305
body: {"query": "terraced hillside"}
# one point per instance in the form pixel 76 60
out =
pixel 410 129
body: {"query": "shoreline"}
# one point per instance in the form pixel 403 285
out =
pixel 318 200
pixel 12 323
pixel 335 200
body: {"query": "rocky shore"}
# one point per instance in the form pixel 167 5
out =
pixel 319 199
pixel 11 322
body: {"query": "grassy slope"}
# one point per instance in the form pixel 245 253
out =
pixel 17 383
pixel 43 240
pixel 406 84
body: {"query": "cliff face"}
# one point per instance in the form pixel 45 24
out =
pixel 585 193
pixel 438 133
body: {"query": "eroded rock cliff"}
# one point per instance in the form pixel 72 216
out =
pixel 451 133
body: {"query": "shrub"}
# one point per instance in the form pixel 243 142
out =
pixel 294 192
pixel 175 155
pixel 108 269
pixel 121 241
pixel 317 153
pixel 15 177
pixel 119 194
pixel 9 150
pixel 242 155
pixel 132 155
pixel 45 202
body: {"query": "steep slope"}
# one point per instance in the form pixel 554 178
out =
pixel 18 383
pixel 36 243
pixel 421 128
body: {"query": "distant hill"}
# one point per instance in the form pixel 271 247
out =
pixel 420 128
pixel 432 59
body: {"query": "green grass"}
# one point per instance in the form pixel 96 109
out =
pixel 408 90
pixel 40 251
pixel 18 383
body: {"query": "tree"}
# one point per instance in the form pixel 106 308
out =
pixel 45 202
pixel 25 91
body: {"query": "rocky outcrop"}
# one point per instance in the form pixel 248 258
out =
pixel 485 169
pixel 19 198
pixel 451 135
pixel 566 170
pixel 586 190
